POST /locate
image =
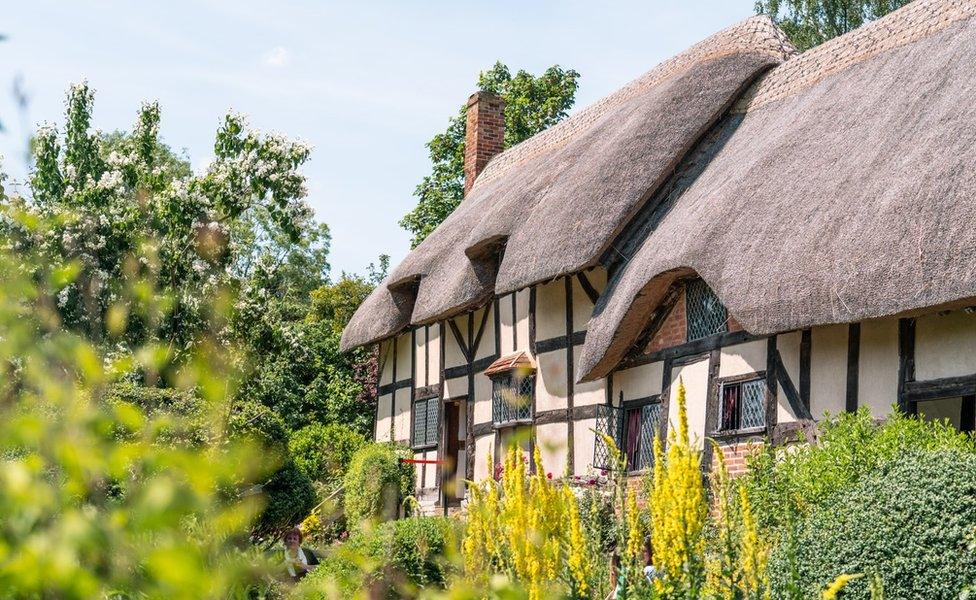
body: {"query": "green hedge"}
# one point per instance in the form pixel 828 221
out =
pixel 908 521
pixel 393 559
pixel 376 483
pixel 323 452
pixel 187 420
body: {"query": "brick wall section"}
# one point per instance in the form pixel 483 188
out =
pixel 736 454
pixel 673 331
pixel 734 325
pixel 484 134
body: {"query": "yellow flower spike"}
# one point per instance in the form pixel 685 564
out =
pixel 831 591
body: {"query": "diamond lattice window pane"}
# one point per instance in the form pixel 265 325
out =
pixel 432 425
pixel 511 399
pixel 753 404
pixel 419 423
pixel 705 314
pixel 650 421
pixel 609 422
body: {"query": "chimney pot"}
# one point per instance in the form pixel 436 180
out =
pixel 484 134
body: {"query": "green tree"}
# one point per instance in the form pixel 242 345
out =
pixel 123 207
pixel 532 104
pixel 809 23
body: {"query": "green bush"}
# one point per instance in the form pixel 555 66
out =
pixel 182 418
pixel 376 483
pixel 290 497
pixel 908 521
pixel 256 422
pixel 323 452
pixel 393 559
pixel 784 482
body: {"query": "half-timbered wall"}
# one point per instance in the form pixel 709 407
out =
pixel 925 364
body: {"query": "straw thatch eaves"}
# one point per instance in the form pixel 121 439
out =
pixel 556 201
pixel 843 187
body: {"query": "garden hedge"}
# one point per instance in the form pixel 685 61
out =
pixel 376 483
pixel 910 521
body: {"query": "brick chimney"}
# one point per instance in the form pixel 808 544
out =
pixel 484 134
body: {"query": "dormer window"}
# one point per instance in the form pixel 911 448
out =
pixel 512 390
pixel 705 313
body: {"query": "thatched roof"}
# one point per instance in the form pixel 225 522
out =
pixel 842 187
pixel 556 201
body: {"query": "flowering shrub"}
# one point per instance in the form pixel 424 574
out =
pixel 528 528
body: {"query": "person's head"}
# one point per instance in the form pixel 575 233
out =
pixel 292 537
pixel 615 560
pixel 648 552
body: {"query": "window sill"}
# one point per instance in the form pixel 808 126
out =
pixel 737 434
pixel 424 448
pixel 508 424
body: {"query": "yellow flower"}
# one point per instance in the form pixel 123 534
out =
pixel 838 584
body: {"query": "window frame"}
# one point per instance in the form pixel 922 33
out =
pixel 508 376
pixel 427 401
pixel 627 407
pixel 739 380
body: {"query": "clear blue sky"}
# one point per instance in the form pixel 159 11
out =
pixel 367 83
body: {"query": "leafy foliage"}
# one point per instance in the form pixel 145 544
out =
pixel 907 521
pixel 376 483
pixel 95 500
pixel 323 452
pixel 395 559
pixel 121 208
pixel 809 23
pixel 532 104
pixel 784 482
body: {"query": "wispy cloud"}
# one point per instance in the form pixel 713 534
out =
pixel 278 56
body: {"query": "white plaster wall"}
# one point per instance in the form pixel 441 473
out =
pixel 452 352
pixel 877 374
pixel 482 398
pixel 486 345
pixel 507 322
pixel 383 416
pixel 695 378
pixel 550 382
pixel 484 446
pixel 828 370
pixel 788 345
pixel 401 415
pixel 419 372
pixel 638 382
pixel 434 350
pixel 582 307
pixel 550 439
pixel 522 318
pixel 583 442
pixel 945 345
pixel 386 358
pixel 550 306
pixel 404 345
pixel 455 387
pixel 593 392
pixel 741 359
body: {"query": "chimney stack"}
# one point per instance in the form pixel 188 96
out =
pixel 484 134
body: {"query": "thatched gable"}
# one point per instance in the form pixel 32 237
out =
pixel 842 188
pixel 556 201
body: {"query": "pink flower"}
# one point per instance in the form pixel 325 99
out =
pixel 548 475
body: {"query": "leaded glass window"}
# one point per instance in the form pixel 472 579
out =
pixel 704 313
pixel 426 422
pixel 743 405
pixel 511 398
pixel 632 429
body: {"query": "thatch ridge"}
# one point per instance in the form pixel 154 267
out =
pixel 850 198
pixel 575 185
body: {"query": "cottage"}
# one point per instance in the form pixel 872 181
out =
pixel 789 234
